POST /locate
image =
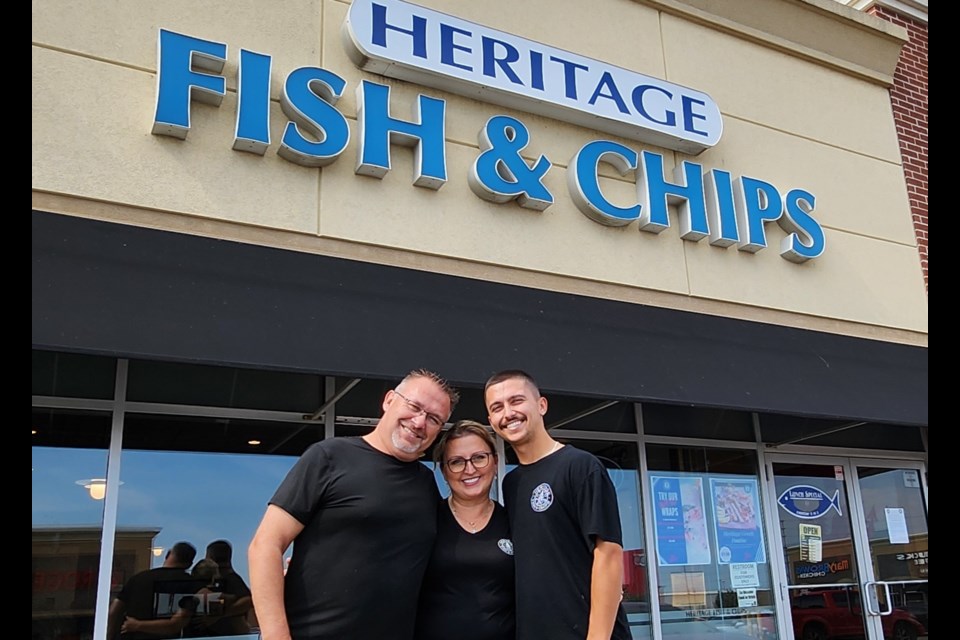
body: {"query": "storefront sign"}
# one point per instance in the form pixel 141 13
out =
pixel 807 502
pixel 402 40
pixel 833 567
pixel 711 203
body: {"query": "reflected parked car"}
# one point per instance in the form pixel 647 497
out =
pixel 829 614
pixel 916 603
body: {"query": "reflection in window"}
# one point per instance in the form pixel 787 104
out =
pixel 67 516
pixel 896 522
pixel 711 554
pixel 169 497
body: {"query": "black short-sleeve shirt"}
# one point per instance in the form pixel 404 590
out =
pixel 369 525
pixel 468 590
pixel 558 507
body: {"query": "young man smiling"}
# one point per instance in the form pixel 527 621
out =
pixel 564 520
pixel 362 512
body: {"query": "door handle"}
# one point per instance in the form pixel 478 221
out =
pixel 873 599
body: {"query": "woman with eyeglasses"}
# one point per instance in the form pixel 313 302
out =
pixel 468 590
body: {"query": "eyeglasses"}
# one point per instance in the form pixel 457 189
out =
pixel 433 419
pixel 478 460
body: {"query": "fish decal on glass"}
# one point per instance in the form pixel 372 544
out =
pixel 808 502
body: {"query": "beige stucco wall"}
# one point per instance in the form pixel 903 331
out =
pixel 799 113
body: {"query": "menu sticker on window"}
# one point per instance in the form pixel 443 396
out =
pixel 811 543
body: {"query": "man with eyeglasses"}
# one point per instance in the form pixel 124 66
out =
pixel 564 520
pixel 361 513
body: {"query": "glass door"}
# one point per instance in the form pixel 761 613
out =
pixel 891 500
pixel 853 540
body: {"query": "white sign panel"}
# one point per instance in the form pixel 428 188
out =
pixel 746 597
pixel 896 525
pixel 405 41
pixel 744 574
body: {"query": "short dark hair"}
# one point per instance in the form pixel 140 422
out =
pixel 510 374
pixel 184 552
pixel 460 429
pixel 220 551
pixel 452 393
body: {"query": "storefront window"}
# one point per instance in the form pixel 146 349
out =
pixel 206 385
pixel 713 565
pixel 69 375
pixel 68 476
pixel 199 496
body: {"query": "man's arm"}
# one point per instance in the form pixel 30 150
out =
pixel 606 589
pixel 265 557
pixel 171 627
pixel 115 618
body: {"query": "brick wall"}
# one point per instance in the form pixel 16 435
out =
pixel 909 98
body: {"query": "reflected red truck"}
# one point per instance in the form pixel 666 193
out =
pixel 828 614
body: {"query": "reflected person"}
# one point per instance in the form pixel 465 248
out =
pixel 238 603
pixel 194 611
pixel 468 590
pixel 153 594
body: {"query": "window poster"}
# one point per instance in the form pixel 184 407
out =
pixel 811 543
pixel 679 521
pixel 896 525
pixel 736 508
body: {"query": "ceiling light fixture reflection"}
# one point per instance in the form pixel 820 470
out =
pixel 157 551
pixel 96 486
pixel 253 442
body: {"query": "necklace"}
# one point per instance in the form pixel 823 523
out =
pixel 471 525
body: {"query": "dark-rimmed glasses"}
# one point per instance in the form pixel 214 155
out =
pixel 478 460
pixel 432 419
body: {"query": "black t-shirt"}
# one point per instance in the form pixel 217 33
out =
pixel 468 590
pixel 558 506
pixel 233 586
pixel 156 594
pixel 369 525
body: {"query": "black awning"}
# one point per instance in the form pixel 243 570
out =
pixel 127 291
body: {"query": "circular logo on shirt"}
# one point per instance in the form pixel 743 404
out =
pixel 541 498
pixel 506 545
